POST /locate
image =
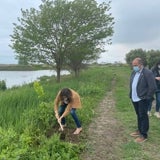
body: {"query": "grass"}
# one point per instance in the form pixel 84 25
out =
pixel 14 102
pixel 26 118
pixel 92 86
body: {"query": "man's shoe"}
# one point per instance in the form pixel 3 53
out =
pixel 140 139
pixel 135 134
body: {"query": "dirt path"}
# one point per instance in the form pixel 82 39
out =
pixel 103 133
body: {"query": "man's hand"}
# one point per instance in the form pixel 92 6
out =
pixel 157 78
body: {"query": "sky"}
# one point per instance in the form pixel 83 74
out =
pixel 137 25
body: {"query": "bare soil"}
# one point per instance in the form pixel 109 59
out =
pixel 104 133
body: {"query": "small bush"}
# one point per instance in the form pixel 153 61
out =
pixel 3 85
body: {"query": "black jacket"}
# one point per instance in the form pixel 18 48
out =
pixel 146 85
pixel 156 73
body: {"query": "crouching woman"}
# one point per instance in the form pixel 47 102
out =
pixel 67 101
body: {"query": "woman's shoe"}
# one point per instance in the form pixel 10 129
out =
pixel 77 131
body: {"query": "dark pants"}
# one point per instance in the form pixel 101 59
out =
pixel 141 109
pixel 73 114
pixel 158 101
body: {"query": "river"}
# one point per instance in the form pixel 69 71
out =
pixel 18 78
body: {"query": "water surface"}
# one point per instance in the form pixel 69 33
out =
pixel 18 78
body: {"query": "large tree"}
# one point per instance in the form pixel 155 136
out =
pixel 62 31
pixel 79 56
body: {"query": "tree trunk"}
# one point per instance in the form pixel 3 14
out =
pixel 58 75
pixel 76 71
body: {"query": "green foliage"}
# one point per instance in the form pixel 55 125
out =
pixel 3 85
pixel 136 53
pixel 39 90
pixel 153 57
pixel 20 147
pixel 22 60
pixel 27 141
pixel 13 102
pixel 31 118
pixel 41 118
pixel 59 150
pixel 63 32
pixel 150 57
pixel 90 89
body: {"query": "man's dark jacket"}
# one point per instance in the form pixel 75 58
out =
pixel 146 85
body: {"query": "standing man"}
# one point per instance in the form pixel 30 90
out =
pixel 142 88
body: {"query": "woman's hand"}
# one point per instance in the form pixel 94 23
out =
pixel 59 121
pixel 57 116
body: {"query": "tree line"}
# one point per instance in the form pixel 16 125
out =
pixel 150 57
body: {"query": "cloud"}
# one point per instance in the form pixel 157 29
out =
pixel 137 25
pixel 9 12
pixel 114 53
pixel 136 21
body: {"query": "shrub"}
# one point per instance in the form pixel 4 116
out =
pixel 3 85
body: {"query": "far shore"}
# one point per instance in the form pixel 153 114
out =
pixel 17 67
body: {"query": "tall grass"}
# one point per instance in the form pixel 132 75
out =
pixel 14 102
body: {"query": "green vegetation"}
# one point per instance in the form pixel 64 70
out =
pixel 76 31
pixel 3 85
pixel 16 67
pixel 150 57
pixel 27 114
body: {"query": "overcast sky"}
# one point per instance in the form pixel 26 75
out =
pixel 137 25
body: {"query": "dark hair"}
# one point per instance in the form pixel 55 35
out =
pixel 66 92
